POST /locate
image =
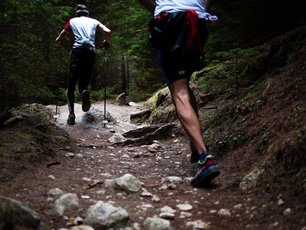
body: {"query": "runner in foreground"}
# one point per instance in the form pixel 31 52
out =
pixel 179 32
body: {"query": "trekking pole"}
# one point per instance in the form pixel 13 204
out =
pixel 105 46
pixel 105 87
pixel 56 115
pixel 57 107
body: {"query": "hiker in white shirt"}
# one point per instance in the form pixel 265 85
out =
pixel 82 57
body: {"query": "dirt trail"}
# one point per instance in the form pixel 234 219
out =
pixel 223 206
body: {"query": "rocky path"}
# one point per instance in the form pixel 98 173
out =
pixel 111 186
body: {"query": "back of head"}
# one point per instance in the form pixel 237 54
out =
pixel 81 10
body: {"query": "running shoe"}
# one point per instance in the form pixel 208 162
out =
pixel 206 170
pixel 71 119
pixel 85 100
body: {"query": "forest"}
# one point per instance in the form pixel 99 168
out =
pixel 34 67
pixel 126 165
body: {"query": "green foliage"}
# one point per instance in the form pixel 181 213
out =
pixel 27 46
pixel 128 22
pixel 61 139
pixel 229 74
pixel 233 137
pixel 34 68
pixel 297 135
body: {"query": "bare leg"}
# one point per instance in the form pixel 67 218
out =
pixel 194 153
pixel 186 113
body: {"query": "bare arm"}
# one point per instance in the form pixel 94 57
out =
pixel 61 35
pixel 148 4
pixel 107 32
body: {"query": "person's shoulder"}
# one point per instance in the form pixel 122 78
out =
pixel 93 20
pixel 74 19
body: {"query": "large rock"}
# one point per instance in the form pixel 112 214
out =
pixel 163 132
pixel 140 117
pixel 15 214
pixel 66 202
pixel 162 108
pixel 96 116
pixel 104 215
pixel 250 180
pixel 128 183
pixel 156 223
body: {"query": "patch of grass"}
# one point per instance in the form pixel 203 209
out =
pixel 230 74
pixel 230 142
pixel 61 139
pixel 297 135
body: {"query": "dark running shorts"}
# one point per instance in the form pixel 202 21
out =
pixel 178 65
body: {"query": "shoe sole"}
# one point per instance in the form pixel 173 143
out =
pixel 85 101
pixel 210 174
pixel 70 123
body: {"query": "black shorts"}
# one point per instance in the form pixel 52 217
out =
pixel 169 36
pixel 178 66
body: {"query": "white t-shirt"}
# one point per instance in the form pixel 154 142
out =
pixel 181 5
pixel 84 30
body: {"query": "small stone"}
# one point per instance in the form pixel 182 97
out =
pixel 146 206
pixel 275 224
pixel 238 206
pixel 171 186
pixel 69 154
pixel 154 148
pixel 117 138
pixel 55 193
pixel 79 155
pixel 86 179
pixel 85 197
pixel 185 215
pixel 224 212
pixel 198 224
pixel 287 211
pixel 78 221
pixel 82 227
pixel 136 226
pixel 184 207
pixel 155 199
pixel 280 202
pixel 188 179
pixel 51 177
pixel 163 187
pixel 167 215
pixel 173 179
pixel 145 193
pixel 167 209
pixel 105 174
